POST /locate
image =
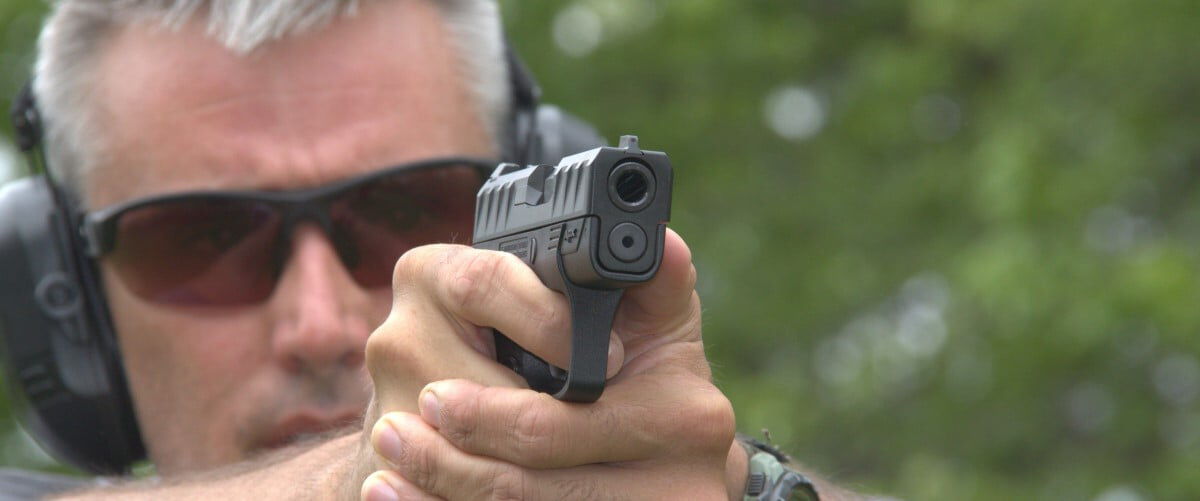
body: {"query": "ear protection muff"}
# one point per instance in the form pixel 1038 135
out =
pixel 59 346
pixel 541 133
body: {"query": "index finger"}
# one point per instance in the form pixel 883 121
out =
pixel 488 288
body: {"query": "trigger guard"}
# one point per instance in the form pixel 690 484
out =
pixel 592 313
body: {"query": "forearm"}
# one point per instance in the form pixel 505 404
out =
pixel 325 471
pixel 827 490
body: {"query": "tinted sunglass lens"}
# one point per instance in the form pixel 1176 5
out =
pixel 203 252
pixel 380 220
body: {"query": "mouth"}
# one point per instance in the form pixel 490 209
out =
pixel 307 427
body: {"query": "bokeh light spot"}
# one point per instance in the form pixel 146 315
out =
pixel 1089 408
pixel 921 330
pixel 794 112
pixel 838 361
pixel 577 30
pixel 1177 379
pixel 1119 493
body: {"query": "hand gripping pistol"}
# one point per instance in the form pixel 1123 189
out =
pixel 589 227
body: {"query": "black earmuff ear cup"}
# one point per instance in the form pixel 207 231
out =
pixel 541 133
pixel 59 348
pixel 560 134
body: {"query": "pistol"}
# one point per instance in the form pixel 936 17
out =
pixel 589 227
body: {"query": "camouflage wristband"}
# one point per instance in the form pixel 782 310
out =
pixel 769 480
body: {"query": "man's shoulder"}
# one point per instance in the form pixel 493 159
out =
pixel 25 484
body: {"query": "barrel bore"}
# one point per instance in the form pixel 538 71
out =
pixel 631 186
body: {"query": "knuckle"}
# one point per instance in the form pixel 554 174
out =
pixel 509 484
pixel 376 352
pixel 534 434
pixel 548 319
pixel 407 266
pixel 411 457
pixel 419 464
pixel 414 266
pixel 582 488
pixel 459 422
pixel 714 421
pixel 606 418
pixel 388 346
pixel 702 423
pixel 475 276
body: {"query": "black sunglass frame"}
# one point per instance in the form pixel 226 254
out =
pixel 99 228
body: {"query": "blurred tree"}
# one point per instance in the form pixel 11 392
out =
pixel 947 249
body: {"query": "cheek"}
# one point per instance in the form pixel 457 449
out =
pixel 202 378
pixel 189 374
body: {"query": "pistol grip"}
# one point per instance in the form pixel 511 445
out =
pixel 540 375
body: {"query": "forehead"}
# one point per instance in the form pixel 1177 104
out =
pixel 178 111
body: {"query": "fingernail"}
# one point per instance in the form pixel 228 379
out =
pixel 387 439
pixel 378 489
pixel 616 357
pixel 431 408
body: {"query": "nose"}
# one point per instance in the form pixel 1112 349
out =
pixel 321 316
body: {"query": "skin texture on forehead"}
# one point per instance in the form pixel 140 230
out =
pixel 294 113
pixel 180 112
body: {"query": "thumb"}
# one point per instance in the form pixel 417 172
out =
pixel 665 309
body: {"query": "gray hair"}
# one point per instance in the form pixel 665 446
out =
pixel 71 37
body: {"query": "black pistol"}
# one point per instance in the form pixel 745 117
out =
pixel 589 227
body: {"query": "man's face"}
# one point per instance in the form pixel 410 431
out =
pixel 180 112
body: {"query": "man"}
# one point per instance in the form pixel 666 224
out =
pixel 146 98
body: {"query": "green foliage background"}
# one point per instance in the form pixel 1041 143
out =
pixel 968 267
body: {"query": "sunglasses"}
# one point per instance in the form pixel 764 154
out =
pixel 229 248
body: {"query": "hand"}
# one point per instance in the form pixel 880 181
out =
pixel 661 429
